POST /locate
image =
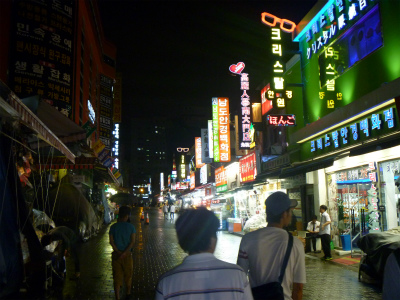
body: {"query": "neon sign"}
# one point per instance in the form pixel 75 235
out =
pixel 281 120
pixel 221 130
pixel 354 132
pixel 199 164
pixel 339 14
pixel 238 68
pixel 277 94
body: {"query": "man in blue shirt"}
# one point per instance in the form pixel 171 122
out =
pixel 122 239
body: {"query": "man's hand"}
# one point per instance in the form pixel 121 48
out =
pixel 323 226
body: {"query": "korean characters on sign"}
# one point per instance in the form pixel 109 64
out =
pixel 199 164
pixel 246 112
pixel 278 94
pixel 328 62
pixel 247 168
pixel 221 130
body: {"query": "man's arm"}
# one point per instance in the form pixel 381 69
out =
pixel 112 243
pixel 297 293
pixel 243 260
pixel 130 246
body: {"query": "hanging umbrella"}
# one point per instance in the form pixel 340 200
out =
pixel 123 199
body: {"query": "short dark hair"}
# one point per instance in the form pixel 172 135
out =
pixel 275 219
pixel 314 217
pixel 195 228
pixel 124 211
pixel 324 207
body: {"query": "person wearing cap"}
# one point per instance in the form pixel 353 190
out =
pixel 261 252
pixel 201 275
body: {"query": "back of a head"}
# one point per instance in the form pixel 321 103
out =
pixel 195 228
pixel 124 211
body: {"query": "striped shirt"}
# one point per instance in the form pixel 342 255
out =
pixel 203 276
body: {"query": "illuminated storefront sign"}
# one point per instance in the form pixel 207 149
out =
pixel 192 181
pixel 266 104
pixel 281 120
pixel 173 174
pixel 277 93
pixel 197 144
pixel 221 179
pixel 105 118
pixel 210 139
pixel 183 167
pixel 115 149
pixel 363 129
pixel 205 147
pixel 335 17
pixel 203 174
pixel 161 181
pixel 248 168
pixel 244 136
pixel 221 130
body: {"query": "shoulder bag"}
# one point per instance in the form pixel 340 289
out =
pixel 274 290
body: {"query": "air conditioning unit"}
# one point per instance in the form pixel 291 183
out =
pixel 276 150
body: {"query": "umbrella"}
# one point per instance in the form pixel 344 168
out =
pixel 123 199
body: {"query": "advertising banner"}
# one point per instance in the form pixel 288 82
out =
pixel 197 147
pixel 41 56
pixel 248 168
pixel 203 174
pixel 210 139
pixel 182 173
pixel 221 130
pixel 220 179
pixel 161 181
pixel 192 181
pixel 106 94
pixel 205 149
pixel 232 176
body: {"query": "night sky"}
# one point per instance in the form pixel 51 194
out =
pixel 177 53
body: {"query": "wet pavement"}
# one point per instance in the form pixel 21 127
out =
pixel 157 251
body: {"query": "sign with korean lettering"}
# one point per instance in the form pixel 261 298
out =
pixel 362 129
pixel 221 130
pixel 248 168
pixel 244 135
pixel 331 22
pixel 183 167
pixel 41 51
pixel 266 104
pixel 277 93
pixel 197 147
pixel 221 179
pixel 281 120
pixel 205 149
pixel 203 174
pixel 105 118
pixel 192 181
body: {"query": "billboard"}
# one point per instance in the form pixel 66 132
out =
pixel 220 179
pixel 41 56
pixel 232 176
pixel 210 139
pixel 221 130
pixel 205 149
pixel 203 174
pixel 248 168
pixel 192 181
pixel 197 147
pixel 182 173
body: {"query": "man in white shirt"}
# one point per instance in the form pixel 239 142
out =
pixel 325 232
pixel 313 230
pixel 261 252
pixel 172 211
pixel 201 275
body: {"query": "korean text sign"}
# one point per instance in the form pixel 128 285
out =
pixel 248 168
pixel 199 164
pixel 221 133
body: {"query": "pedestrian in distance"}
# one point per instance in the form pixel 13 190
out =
pixel 165 210
pixel 313 230
pixel 69 245
pixel 201 275
pixel 272 258
pixel 172 211
pixel 122 240
pixel 325 232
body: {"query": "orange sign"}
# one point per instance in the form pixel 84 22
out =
pixel 220 176
pixel 270 20
pixel 197 143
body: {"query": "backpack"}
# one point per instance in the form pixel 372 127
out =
pixel 274 290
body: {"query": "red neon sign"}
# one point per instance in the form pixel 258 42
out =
pixel 274 19
pixel 238 68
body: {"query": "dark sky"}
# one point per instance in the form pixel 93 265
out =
pixel 177 53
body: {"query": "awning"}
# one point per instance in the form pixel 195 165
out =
pixel 307 167
pixel 62 163
pixel 30 120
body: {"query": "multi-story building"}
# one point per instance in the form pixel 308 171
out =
pixel 57 50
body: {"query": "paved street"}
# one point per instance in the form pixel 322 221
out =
pixel 157 250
